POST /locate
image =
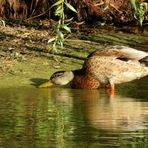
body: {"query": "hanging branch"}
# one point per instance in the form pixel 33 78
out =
pixel 62 24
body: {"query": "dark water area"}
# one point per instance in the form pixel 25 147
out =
pixel 72 118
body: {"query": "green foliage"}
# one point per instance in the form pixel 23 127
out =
pixel 140 9
pixel 62 24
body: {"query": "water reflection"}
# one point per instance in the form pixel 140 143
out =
pixel 71 118
pixel 105 112
pixel 97 119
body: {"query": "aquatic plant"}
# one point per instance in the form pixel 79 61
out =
pixel 62 24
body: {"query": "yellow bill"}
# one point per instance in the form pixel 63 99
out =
pixel 45 85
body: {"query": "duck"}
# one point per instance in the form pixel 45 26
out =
pixel 104 68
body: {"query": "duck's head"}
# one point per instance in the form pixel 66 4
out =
pixel 59 78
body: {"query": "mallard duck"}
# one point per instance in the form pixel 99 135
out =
pixel 106 67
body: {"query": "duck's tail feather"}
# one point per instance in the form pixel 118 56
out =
pixel 144 61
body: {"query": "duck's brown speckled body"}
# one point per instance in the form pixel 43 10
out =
pixel 109 66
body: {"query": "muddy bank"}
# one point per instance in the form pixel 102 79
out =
pixel 26 60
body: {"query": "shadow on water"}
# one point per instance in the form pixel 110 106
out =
pixel 37 81
pixel 63 117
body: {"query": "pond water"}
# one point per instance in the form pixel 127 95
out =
pixel 72 118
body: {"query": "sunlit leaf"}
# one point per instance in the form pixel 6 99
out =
pixel 59 11
pixel 51 40
pixel 69 20
pixel 57 3
pixel 61 36
pixel 66 28
pixel 135 4
pixel 141 17
pixel 70 7
pixel 2 23
pixel 61 44
pixel 145 6
pixel 54 47
pixel 140 9
pixel 59 8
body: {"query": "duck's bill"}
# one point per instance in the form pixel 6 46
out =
pixel 46 84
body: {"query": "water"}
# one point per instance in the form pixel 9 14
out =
pixel 72 118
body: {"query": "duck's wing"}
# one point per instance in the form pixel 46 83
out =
pixel 120 52
pixel 132 53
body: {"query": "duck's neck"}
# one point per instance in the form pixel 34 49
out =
pixel 83 80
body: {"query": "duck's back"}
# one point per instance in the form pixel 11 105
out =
pixel 120 51
pixel 108 68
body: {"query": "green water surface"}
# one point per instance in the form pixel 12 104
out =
pixel 73 118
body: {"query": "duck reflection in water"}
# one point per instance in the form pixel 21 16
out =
pixel 103 112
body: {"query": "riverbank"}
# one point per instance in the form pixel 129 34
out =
pixel 26 60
